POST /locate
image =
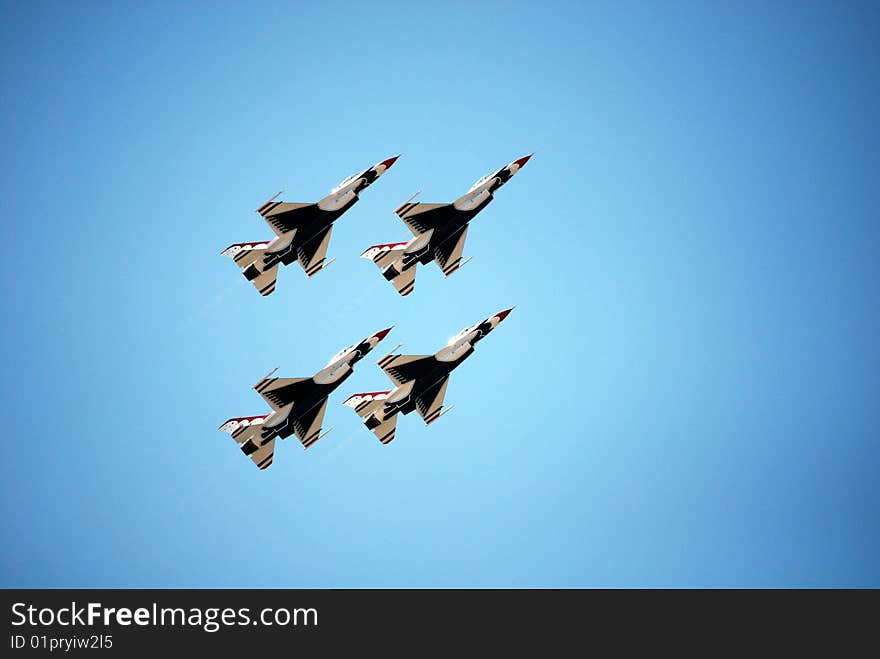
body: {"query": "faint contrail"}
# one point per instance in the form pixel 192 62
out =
pixel 351 306
pixel 210 304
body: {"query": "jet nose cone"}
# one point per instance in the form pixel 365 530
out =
pixel 522 161
pixel 390 161
pixel 381 334
pixel 501 315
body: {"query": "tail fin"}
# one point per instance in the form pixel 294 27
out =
pixel 389 258
pixel 370 406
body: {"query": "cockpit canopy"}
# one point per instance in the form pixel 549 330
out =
pixel 481 180
pixel 461 334
pixel 340 354
pixel 345 182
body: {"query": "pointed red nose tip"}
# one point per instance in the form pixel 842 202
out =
pixel 501 315
pixel 389 162
pixel 522 161
pixel 383 333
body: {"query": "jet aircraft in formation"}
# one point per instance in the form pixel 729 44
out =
pixel 420 381
pixel 302 233
pixel 439 231
pixel 298 404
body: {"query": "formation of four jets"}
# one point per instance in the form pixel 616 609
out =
pixel 302 233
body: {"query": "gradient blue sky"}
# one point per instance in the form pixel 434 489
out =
pixel 688 393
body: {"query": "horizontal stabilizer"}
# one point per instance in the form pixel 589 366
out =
pixel 403 279
pixel 236 425
pixel 370 406
pixel 389 258
pixel 246 432
pixel 385 253
pixel 263 281
pixel 245 253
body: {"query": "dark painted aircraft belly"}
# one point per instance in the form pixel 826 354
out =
pixel 425 382
pixel 317 396
pixel 319 223
pixel 451 230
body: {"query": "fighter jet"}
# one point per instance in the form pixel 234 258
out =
pixel 298 405
pixel 302 231
pixel 439 229
pixel 420 381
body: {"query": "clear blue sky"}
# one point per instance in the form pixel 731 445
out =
pixel 687 394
